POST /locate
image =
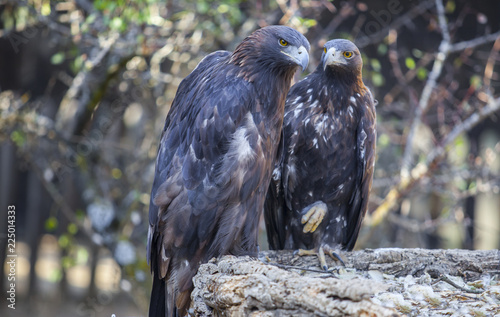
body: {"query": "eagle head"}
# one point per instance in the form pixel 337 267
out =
pixel 342 54
pixel 275 47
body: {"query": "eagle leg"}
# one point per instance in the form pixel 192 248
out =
pixel 313 215
pixel 320 253
pixel 334 255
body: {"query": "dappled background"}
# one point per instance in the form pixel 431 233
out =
pixel 85 87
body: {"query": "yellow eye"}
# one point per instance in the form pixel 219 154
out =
pixel 348 54
pixel 324 49
pixel 283 42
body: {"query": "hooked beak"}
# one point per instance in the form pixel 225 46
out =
pixel 333 57
pixel 299 56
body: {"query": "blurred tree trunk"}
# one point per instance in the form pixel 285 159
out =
pixel 8 171
pixel 34 225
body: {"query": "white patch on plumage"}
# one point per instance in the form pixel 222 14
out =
pixel 357 94
pixel 320 126
pixel 243 149
pixel 296 100
pixel 309 90
pixel 204 124
pixel 315 142
pixel 276 174
pixel 351 110
pixel 310 98
pixel 362 144
pixel 296 113
pixel 163 255
pixel 310 193
pixel 353 100
pixel 337 219
pixel 341 186
pixel 240 146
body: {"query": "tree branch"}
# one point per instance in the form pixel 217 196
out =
pixel 423 104
pixel 422 169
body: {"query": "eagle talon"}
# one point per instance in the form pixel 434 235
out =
pixel 334 255
pixel 320 253
pixel 314 216
pixel 302 252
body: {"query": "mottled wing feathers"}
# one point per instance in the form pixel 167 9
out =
pixel 194 172
pixel 328 156
pixel 215 159
pixel 184 96
pixel 365 142
pixel 273 206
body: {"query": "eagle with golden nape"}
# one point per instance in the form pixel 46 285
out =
pixel 215 160
pixel 321 183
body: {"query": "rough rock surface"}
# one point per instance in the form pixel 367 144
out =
pixel 381 282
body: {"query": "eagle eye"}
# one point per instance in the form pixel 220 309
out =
pixel 283 42
pixel 324 49
pixel 348 54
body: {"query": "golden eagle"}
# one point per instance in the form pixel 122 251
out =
pixel 319 192
pixel 215 160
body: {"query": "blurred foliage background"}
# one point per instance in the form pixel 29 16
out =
pixel 85 87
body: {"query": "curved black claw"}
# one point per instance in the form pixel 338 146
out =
pixel 334 255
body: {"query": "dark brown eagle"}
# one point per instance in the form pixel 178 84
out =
pixel 215 160
pixel 322 179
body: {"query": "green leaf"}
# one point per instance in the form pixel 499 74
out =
pixel 57 58
pixel 116 23
pixel 375 64
pixel 82 256
pixel 80 214
pixel 382 49
pixel 422 73
pixel 377 79
pixel 72 228
pixel 18 137
pixel 417 53
pixel 116 173
pixel 55 275
pixel 223 8
pixel 64 241
pixel 475 81
pixel 45 8
pixel 68 262
pixel 383 140
pixel 51 224
pixel 410 63
pixel 450 6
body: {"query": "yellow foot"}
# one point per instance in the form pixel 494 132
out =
pixel 314 215
pixel 320 253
